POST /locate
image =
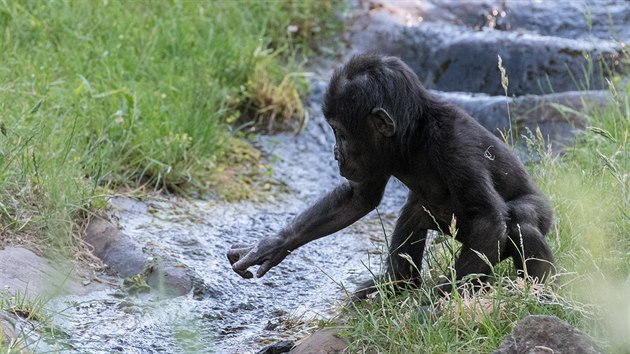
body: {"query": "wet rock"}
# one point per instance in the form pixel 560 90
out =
pixel 126 257
pixel 454 58
pixel 590 19
pixel 277 348
pixel 7 329
pixel 170 280
pixel 325 341
pixel 121 254
pixel 203 290
pixel 557 115
pixel 546 334
pixel 21 270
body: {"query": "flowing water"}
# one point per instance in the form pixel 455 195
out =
pixel 234 315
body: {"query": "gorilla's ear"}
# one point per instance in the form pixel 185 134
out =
pixel 383 122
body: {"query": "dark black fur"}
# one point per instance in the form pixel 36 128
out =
pixel 386 124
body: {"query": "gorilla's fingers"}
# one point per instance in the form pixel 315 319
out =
pixel 244 263
pixel 240 245
pixel 235 254
pixel 264 268
pixel 241 259
pixel 244 273
pixel 241 269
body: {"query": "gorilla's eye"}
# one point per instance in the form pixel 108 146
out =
pixel 338 135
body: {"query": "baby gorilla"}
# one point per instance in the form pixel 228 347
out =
pixel 387 124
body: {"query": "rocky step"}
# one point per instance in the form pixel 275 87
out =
pixel 558 116
pixel 450 57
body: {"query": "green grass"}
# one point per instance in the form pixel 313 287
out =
pixel 103 95
pixel 589 188
pixel 18 309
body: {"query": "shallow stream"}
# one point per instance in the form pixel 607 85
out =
pixel 235 315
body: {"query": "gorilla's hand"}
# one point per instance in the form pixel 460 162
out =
pixel 268 253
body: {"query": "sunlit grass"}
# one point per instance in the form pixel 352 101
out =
pixel 102 95
pixel 590 190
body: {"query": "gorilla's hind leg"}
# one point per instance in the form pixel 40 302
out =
pixel 529 222
pixel 530 253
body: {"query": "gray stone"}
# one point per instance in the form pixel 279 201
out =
pixel 546 334
pixel 121 254
pixel 170 280
pixel 125 257
pixel 28 276
pixel 557 115
pixel 452 58
pixel 24 272
pixel 560 18
pixel 7 328
pixel 277 348
pixel 326 341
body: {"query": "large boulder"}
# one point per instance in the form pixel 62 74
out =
pixel 587 20
pixel 30 275
pixel 551 62
pixel 454 58
pixel 26 276
pixel 557 116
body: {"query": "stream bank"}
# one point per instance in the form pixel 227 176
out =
pixel 226 314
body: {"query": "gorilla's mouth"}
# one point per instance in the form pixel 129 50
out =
pixel 349 174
